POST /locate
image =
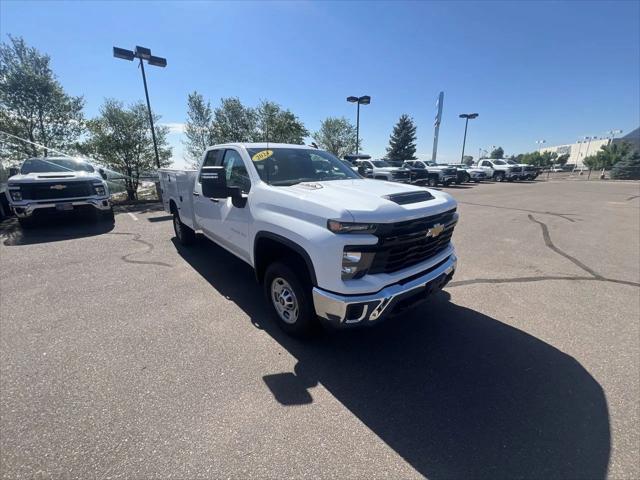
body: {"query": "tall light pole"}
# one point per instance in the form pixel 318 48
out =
pixel 143 53
pixel 467 117
pixel 363 100
pixel 540 144
pixel 613 134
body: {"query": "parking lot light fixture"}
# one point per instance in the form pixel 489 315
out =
pixel 467 117
pixel 363 100
pixel 144 53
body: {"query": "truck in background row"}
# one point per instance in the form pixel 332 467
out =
pixel 326 245
pixel 57 185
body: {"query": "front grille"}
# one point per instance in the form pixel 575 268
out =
pixel 44 190
pixel 405 244
pixel 449 171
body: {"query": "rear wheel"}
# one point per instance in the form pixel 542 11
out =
pixel 466 178
pixel 499 177
pixel 288 293
pixel 184 234
pixel 432 182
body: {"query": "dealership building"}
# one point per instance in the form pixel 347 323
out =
pixel 583 148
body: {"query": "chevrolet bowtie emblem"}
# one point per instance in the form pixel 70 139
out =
pixel 58 187
pixel 436 230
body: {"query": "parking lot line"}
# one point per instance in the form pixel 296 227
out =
pixel 132 216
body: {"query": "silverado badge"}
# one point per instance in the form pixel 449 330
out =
pixel 435 230
pixel 58 187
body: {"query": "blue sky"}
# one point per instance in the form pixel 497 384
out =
pixel 533 70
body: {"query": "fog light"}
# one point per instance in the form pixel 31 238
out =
pixel 355 264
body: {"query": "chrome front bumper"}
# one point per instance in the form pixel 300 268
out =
pixel 27 208
pixel 350 310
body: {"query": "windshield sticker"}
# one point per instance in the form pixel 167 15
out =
pixel 263 155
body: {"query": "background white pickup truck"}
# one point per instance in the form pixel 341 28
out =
pixel 49 185
pixel 323 241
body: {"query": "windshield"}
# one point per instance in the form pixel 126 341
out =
pixel 381 163
pixel 288 166
pixel 499 162
pixel 41 165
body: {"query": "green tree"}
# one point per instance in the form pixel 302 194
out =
pixel 628 167
pixel 497 153
pixel 199 127
pixel 336 135
pixel 402 142
pixel 609 155
pixel 563 159
pixel 276 125
pixel 33 104
pixel 120 138
pixel 591 161
pixel 233 122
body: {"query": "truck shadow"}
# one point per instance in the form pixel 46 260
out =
pixel 456 393
pixel 52 230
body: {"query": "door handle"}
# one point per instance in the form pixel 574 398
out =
pixel 196 194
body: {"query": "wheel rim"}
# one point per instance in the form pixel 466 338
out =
pixel 177 227
pixel 284 300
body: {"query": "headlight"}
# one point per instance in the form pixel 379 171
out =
pixel 16 195
pixel 100 190
pixel 355 264
pixel 349 227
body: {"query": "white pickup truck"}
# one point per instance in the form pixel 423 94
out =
pixel 324 242
pixel 54 185
pixel 500 170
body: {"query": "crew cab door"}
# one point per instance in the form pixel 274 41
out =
pixel 222 221
pixel 487 166
pixel 204 212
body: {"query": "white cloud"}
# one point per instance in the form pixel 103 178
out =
pixel 174 127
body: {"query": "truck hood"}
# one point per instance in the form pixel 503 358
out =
pixel 365 201
pixel 54 177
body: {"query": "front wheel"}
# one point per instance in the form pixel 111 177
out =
pixel 185 235
pixel 289 296
pixel 432 182
pixel 26 223
pixel 499 177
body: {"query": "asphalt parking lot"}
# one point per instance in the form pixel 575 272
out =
pixel 123 355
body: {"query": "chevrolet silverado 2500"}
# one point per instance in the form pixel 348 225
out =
pixel 324 242
pixel 57 185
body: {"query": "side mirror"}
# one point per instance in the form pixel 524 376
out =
pixel 102 173
pixel 237 200
pixel 214 182
pixel 13 171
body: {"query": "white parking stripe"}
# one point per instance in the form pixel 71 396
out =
pixel 132 216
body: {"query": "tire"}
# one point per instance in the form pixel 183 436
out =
pixel 108 216
pixel 291 292
pixel 26 223
pixel 499 177
pixel 185 235
pixel 432 182
pixel 467 178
